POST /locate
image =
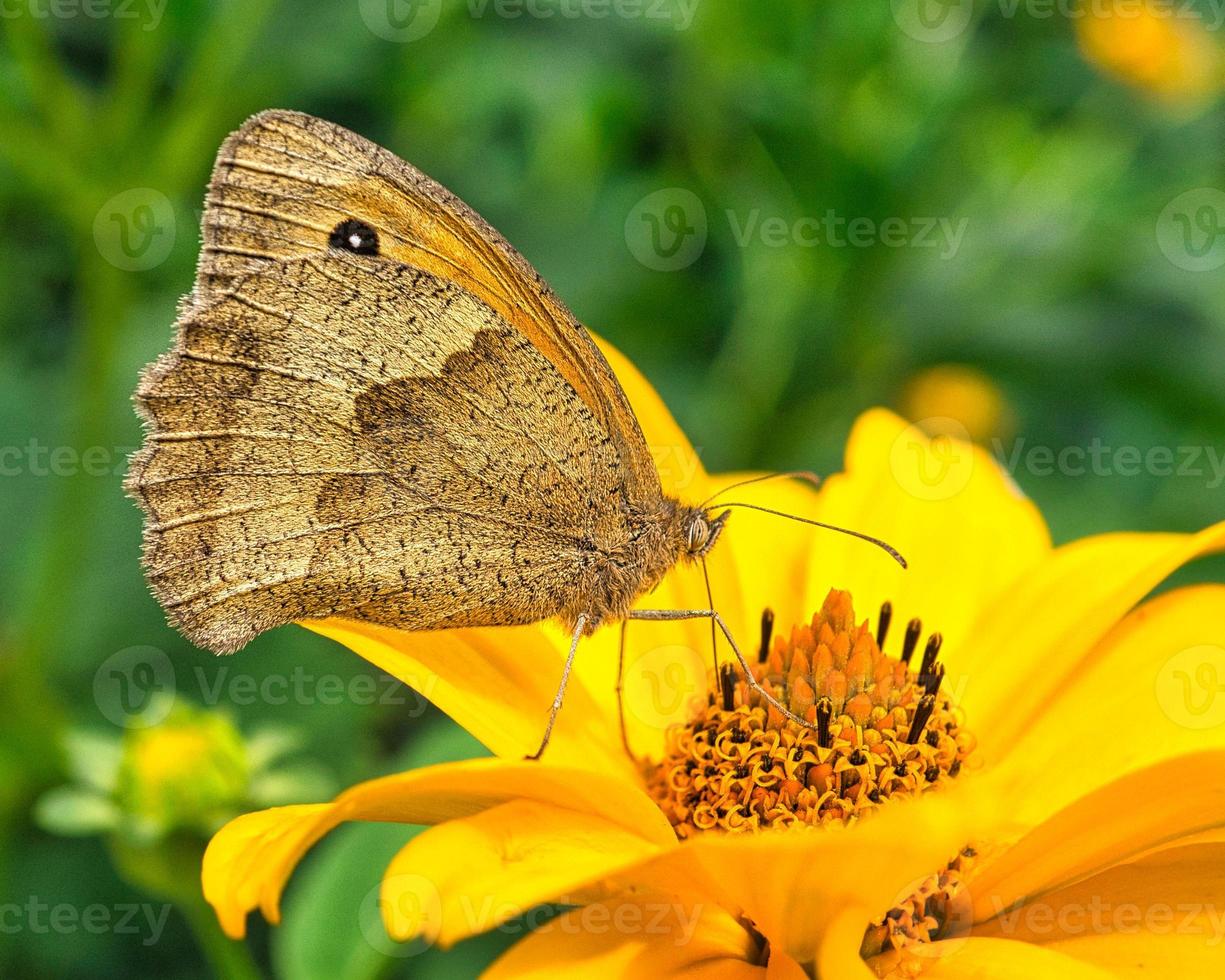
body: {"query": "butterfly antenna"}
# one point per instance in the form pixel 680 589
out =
pixel 805 475
pixel 884 546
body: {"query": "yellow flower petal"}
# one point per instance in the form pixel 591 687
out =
pixel 237 862
pixel 680 470
pixel 1029 643
pixel 637 937
pixel 1002 959
pixel 1151 690
pixel 780 966
pixel 250 859
pixel 498 684
pixel 946 505
pixel 1160 915
pixel 468 876
pixel 839 952
pixel 793 884
pixel 1173 799
pixel 761 559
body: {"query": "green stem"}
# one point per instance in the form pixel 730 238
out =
pixel 64 105
pixel 104 294
pixel 229 958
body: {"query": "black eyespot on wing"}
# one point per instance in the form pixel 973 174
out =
pixel 354 236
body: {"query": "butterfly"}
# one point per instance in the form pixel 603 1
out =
pixel 376 409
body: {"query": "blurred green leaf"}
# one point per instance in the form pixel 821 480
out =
pixel 76 812
pixel 94 758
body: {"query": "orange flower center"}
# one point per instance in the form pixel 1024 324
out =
pixel 882 730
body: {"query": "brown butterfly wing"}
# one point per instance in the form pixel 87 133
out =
pixel 347 435
pixel 284 180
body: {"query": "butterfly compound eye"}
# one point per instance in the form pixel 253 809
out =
pixel 355 236
pixel 698 534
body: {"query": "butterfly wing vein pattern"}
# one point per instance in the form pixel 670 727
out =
pixel 422 437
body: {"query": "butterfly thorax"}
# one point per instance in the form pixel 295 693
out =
pixel 653 543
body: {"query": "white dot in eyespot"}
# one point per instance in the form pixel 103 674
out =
pixel 355 241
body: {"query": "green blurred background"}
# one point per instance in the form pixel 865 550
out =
pixel 1077 149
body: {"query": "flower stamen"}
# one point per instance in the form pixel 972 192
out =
pixel 939 907
pixel 913 629
pixel 767 631
pixel 727 686
pixel 882 623
pixel 879 730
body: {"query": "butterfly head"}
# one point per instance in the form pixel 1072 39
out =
pixel 702 531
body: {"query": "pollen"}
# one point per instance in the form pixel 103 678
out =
pixel 882 730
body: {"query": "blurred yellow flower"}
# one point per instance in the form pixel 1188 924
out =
pixel 1151 44
pixel 189 771
pixel 956 400
pixel 985 802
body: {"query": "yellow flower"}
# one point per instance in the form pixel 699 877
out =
pixel 957 400
pixel 1152 45
pixel 1005 805
pixel 191 771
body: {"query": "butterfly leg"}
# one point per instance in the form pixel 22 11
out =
pixel 672 615
pixel 625 738
pixel 561 688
